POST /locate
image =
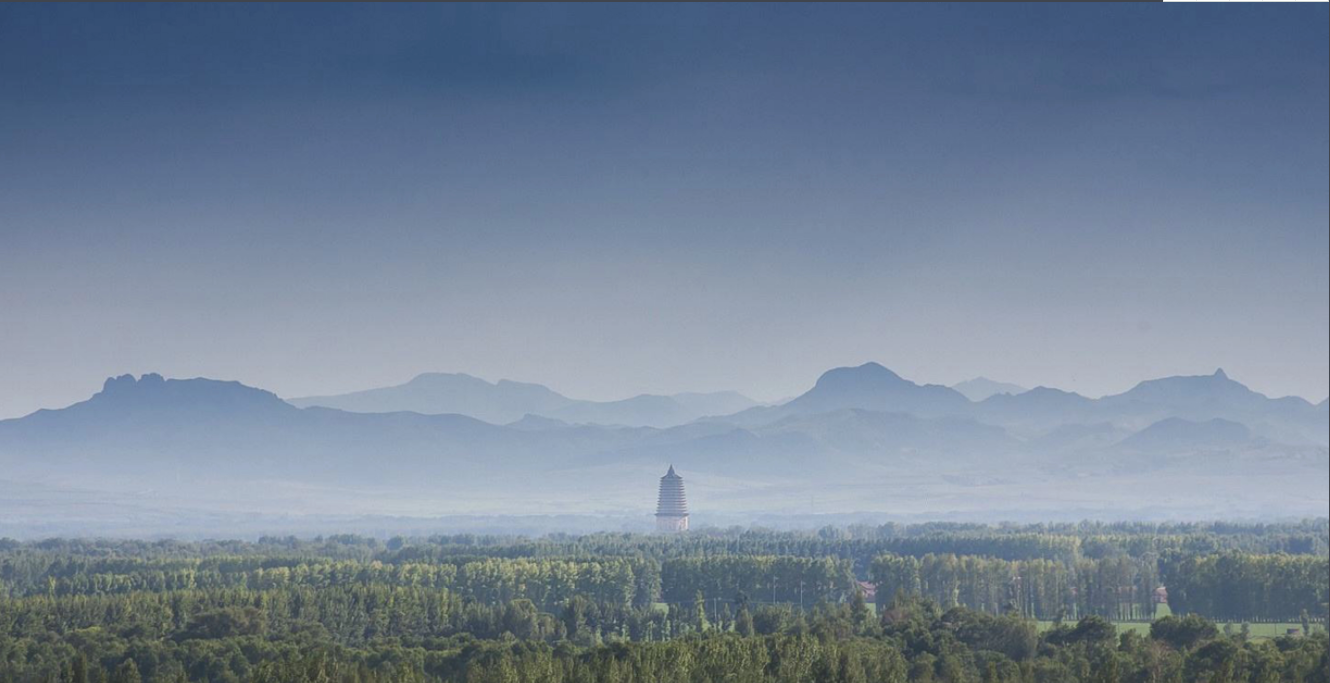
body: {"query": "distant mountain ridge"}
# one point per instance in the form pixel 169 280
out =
pixel 1200 398
pixel 1215 390
pixel 507 401
pixel 857 433
pixel 980 388
pixel 1175 432
pixel 870 386
pixel 1196 398
pixel 151 397
pixel 435 393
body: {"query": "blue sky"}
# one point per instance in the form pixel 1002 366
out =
pixel 616 200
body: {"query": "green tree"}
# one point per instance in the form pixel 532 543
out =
pixel 127 672
pixel 1183 632
pixel 700 613
pixel 743 622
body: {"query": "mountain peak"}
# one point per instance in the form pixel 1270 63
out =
pixel 537 423
pixel 120 383
pixel 128 383
pixel 868 372
pixel 873 387
pixel 153 392
pixel 980 388
pixel 1189 387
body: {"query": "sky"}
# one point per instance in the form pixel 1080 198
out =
pixel 614 200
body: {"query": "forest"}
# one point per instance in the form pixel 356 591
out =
pixel 934 602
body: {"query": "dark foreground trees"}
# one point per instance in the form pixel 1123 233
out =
pixel 910 640
pixel 616 608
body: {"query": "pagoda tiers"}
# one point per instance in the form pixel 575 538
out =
pixel 672 506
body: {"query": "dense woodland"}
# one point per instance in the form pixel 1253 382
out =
pixel 956 603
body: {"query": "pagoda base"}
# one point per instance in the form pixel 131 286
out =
pixel 670 524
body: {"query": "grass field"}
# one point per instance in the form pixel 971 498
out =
pixel 1262 630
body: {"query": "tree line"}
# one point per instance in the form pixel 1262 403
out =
pixel 1230 586
pixel 1226 584
pixel 910 640
pixel 860 544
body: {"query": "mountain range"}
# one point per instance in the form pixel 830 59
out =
pixel 507 401
pixel 862 438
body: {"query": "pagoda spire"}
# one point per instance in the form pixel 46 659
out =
pixel 672 504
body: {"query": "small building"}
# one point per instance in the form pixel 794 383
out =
pixel 1161 596
pixel 869 591
pixel 672 504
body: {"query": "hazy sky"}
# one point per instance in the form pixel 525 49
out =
pixel 615 200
